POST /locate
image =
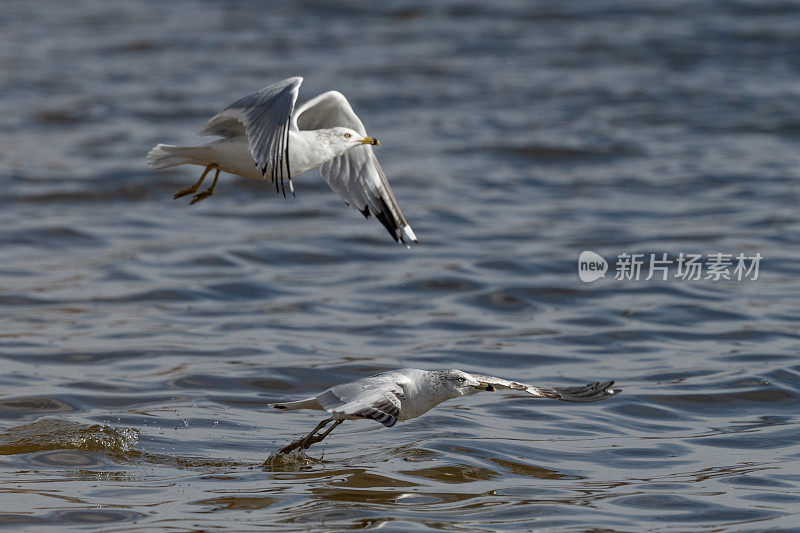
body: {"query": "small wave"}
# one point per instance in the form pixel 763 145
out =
pixel 55 434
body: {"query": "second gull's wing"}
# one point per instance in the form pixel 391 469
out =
pixel 356 176
pixel 589 393
pixel 376 397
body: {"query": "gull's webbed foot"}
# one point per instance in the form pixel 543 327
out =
pixel 186 191
pixel 193 188
pixel 201 196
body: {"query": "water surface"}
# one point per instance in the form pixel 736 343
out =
pixel 141 338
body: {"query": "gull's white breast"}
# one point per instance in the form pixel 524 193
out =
pixel 420 394
pixel 233 155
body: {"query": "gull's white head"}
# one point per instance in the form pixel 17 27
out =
pixel 456 383
pixel 341 139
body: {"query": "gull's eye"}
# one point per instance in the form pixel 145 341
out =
pixel 347 135
pixel 462 379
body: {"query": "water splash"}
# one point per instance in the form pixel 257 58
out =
pixel 293 461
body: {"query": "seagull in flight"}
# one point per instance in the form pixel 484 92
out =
pixel 409 392
pixel 263 136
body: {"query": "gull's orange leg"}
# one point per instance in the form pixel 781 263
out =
pixel 193 188
pixel 208 192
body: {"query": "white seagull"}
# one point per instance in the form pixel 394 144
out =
pixel 409 392
pixel 264 137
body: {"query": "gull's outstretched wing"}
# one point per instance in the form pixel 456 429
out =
pixel 376 397
pixel 589 393
pixel 356 176
pixel 265 118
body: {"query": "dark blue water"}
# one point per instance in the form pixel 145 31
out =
pixel 141 337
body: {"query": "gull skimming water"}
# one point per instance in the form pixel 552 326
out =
pixel 408 393
pixel 264 137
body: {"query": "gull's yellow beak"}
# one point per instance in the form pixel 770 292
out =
pixel 485 386
pixel 371 140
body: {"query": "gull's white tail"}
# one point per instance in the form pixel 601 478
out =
pixel 166 155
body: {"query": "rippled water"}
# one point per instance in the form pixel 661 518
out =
pixel 142 338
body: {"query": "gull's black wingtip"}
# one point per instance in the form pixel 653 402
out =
pixel 592 392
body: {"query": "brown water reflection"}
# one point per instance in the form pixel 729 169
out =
pixel 237 503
